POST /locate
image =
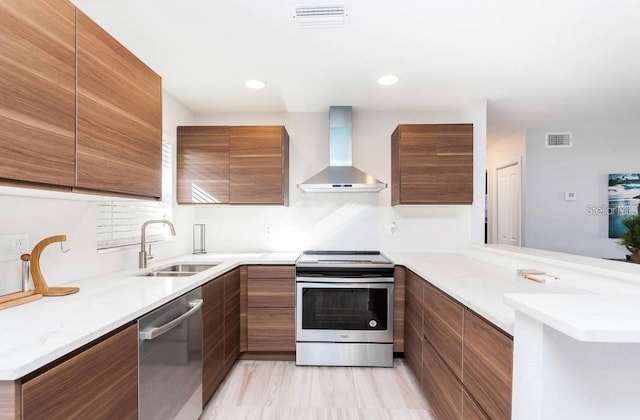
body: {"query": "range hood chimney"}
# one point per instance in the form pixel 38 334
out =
pixel 341 175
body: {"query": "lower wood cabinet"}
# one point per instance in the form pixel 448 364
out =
pixel 221 330
pixel 271 308
pixel 399 275
pixel 100 382
pixel 463 363
pixel 470 410
pixel 231 318
pixel 488 366
pixel 213 352
pixel 439 385
pixel 413 322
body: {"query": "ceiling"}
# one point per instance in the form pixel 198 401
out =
pixel 536 62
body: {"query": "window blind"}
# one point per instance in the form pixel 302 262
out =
pixel 119 222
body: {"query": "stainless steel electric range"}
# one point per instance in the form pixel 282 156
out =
pixel 344 309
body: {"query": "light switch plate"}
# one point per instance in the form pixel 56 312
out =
pixel 570 196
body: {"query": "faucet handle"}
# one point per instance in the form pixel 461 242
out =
pixel 149 254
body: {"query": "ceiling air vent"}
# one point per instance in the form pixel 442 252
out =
pixel 557 140
pixel 323 15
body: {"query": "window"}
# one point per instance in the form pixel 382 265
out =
pixel 119 222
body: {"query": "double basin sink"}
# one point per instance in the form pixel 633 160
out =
pixel 177 270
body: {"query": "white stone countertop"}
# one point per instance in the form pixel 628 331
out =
pixel 36 333
pixel 40 332
pixel 478 285
pixel 593 318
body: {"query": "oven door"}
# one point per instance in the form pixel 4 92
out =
pixel 344 312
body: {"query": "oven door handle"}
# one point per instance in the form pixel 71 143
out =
pixel 154 332
pixel 357 280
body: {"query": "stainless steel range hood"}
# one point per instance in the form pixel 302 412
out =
pixel 341 175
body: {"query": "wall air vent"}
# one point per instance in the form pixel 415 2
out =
pixel 320 15
pixel 558 140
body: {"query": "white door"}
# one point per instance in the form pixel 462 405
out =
pixel 508 200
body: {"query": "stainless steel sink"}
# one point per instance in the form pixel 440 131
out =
pixel 187 268
pixel 177 270
pixel 166 274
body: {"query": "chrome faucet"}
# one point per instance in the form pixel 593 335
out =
pixel 142 255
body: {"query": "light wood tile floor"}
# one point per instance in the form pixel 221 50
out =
pixel 261 390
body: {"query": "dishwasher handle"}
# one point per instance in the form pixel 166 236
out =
pixel 152 333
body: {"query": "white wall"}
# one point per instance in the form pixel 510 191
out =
pixel 558 225
pixel 76 218
pixel 335 220
pixel 499 154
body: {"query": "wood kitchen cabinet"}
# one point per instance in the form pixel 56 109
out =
pixel 413 323
pixel 432 164
pixel 203 165
pixel 100 382
pixel 399 280
pixel 440 386
pixel 213 334
pixel 443 327
pixel 463 363
pixel 488 366
pixel 271 309
pixel 79 111
pixel 119 116
pixel 37 87
pixel 233 164
pixel 221 330
pixel 259 165
pixel 231 319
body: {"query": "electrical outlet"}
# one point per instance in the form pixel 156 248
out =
pixel 393 228
pixel 267 230
pixel 12 246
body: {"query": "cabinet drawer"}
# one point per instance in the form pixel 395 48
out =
pixel 100 382
pixel 271 272
pixel 271 329
pixel 440 386
pixel 271 293
pixel 488 366
pixel 443 323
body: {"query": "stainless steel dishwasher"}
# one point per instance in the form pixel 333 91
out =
pixel 170 360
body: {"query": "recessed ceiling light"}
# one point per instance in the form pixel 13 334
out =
pixel 254 84
pixel 389 79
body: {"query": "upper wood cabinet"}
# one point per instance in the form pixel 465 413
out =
pixel 259 165
pixel 119 133
pixel 99 382
pixel 432 164
pixel 203 165
pixel 235 165
pixel 78 111
pixel 37 91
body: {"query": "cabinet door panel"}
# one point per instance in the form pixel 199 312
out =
pixel 439 385
pixel 212 337
pixel 271 271
pixel 470 410
pixel 271 329
pixel 203 165
pixel 100 382
pixel 399 276
pixel 413 322
pixel 257 165
pixel 488 366
pixel 119 105
pixel 231 318
pixel 271 293
pixel 443 324
pixel 37 87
